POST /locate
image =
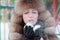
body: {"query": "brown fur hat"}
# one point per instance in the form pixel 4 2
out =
pixel 22 5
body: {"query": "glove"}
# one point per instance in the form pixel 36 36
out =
pixel 28 31
pixel 39 30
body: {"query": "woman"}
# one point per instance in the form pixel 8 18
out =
pixel 58 26
pixel 31 11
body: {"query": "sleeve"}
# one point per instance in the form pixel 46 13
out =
pixel 49 22
pixel 16 31
pixel 50 26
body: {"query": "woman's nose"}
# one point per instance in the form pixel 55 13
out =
pixel 30 15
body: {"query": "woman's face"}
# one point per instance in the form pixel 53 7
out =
pixel 30 16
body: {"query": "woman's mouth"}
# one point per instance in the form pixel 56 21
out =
pixel 30 20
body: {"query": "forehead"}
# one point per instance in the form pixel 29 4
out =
pixel 31 10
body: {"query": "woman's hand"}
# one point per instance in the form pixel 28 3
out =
pixel 28 31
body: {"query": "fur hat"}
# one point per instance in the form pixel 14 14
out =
pixel 22 5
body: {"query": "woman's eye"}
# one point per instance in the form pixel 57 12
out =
pixel 34 12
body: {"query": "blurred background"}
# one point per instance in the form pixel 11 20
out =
pixel 7 7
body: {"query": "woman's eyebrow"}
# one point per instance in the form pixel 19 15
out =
pixel 26 11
